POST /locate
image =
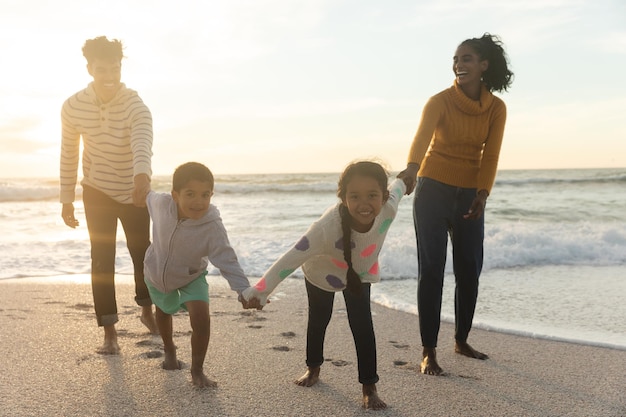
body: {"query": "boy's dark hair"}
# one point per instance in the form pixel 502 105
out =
pixel 102 48
pixel 191 171
pixel 497 77
pixel 366 169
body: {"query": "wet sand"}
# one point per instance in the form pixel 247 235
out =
pixel 49 366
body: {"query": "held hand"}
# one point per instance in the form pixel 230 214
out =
pixel 67 213
pixel 251 303
pixel 478 206
pixel 409 176
pixel 141 189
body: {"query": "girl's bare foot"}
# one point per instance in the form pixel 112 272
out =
pixel 465 349
pixel 310 377
pixel 110 346
pixel 371 400
pixel 429 365
pixel 147 318
pixel 200 380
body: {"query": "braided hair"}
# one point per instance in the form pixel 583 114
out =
pixel 489 47
pixel 367 169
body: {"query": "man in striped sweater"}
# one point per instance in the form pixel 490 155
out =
pixel 116 129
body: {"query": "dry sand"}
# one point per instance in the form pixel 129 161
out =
pixel 48 364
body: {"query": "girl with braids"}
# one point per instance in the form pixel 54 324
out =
pixel 454 156
pixel 339 252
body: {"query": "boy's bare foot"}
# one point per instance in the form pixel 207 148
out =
pixel 147 318
pixel 429 365
pixel 310 377
pixel 200 380
pixel 110 346
pixel 371 400
pixel 465 349
pixel 171 363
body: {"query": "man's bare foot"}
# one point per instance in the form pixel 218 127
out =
pixel 465 349
pixel 200 380
pixel 371 400
pixel 110 346
pixel 147 318
pixel 310 377
pixel 429 365
pixel 171 363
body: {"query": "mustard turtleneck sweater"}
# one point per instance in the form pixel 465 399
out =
pixel 458 140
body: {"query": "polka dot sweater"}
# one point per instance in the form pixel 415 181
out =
pixel 320 251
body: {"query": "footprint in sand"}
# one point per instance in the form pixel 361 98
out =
pixel 340 362
pixel 250 316
pixel 255 326
pixel 148 343
pixel 281 348
pixel 153 354
pixel 288 334
pixel 398 345
pixel 83 359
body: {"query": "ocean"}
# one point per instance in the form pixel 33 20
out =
pixel 555 245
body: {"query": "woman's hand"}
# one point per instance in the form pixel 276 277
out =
pixel 409 176
pixel 478 206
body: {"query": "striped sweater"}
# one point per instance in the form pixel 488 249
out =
pixel 458 140
pixel 117 143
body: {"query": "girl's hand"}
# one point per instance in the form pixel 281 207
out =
pixel 249 299
pixel 251 303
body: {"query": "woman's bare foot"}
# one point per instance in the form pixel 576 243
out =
pixel 371 400
pixel 171 362
pixel 110 346
pixel 200 380
pixel 429 365
pixel 465 349
pixel 147 318
pixel 310 377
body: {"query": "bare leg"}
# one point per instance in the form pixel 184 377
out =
pixel 310 377
pixel 429 365
pixel 465 349
pixel 201 330
pixel 165 327
pixel 110 346
pixel 148 320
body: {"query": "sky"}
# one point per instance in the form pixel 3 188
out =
pixel 284 86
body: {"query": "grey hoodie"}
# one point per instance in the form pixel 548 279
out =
pixel 182 248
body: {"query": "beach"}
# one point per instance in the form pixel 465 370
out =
pixel 555 245
pixel 50 367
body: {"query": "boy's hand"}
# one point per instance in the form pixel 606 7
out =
pixel 141 189
pixel 251 303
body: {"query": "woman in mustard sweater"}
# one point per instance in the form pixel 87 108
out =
pixel 454 157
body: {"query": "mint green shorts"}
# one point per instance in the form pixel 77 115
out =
pixel 174 301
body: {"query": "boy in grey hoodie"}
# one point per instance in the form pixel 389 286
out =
pixel 188 233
